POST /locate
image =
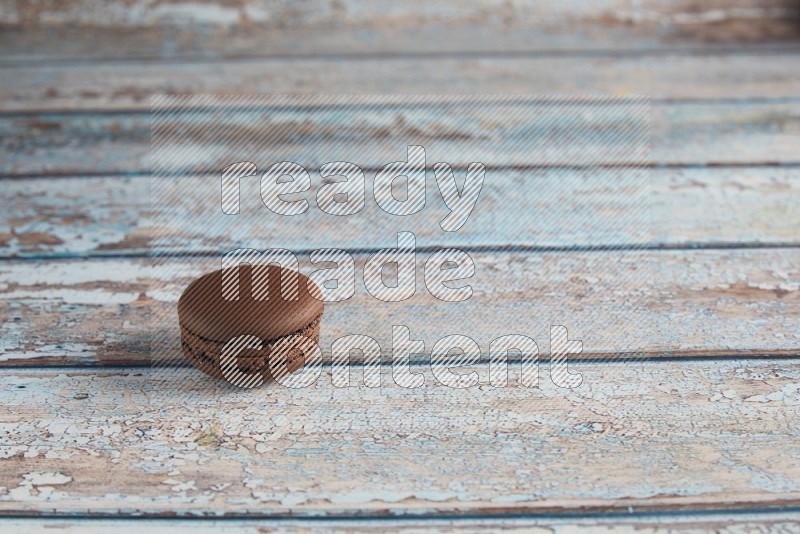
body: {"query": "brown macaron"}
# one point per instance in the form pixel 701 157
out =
pixel 208 320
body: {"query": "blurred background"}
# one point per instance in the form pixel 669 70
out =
pixel 102 61
pixel 84 54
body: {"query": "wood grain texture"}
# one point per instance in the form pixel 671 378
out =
pixel 128 85
pixel 381 14
pixel 694 523
pixel 58 217
pixel 629 304
pixel 687 417
pixel 143 29
pixel 647 437
pixel 681 134
pixel 120 13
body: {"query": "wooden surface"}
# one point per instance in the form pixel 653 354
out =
pixel 683 299
pixel 687 417
pixel 686 207
pixel 717 133
pixel 139 29
pixel 723 523
pixel 116 85
pixel 717 434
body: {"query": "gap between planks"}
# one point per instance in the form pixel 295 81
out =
pixel 757 50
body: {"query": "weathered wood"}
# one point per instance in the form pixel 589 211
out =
pixel 532 208
pixel 129 85
pixel 654 438
pixel 630 303
pixel 317 13
pixel 123 29
pixel 624 523
pixel 696 133
pixel 650 437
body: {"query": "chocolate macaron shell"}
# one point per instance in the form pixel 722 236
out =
pixel 207 314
